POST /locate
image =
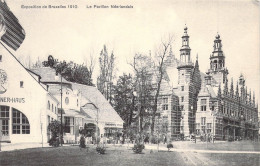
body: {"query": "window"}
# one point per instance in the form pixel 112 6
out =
pixel 208 125
pixel 181 107
pixel 165 100
pixel 21 84
pixel 4 115
pixel 203 129
pixel 197 126
pixel 203 104
pixel 182 99
pixel 55 110
pixel 165 107
pixel 67 100
pixel 69 125
pixel 0 58
pixel 182 88
pixel 49 105
pixel 165 103
pixel 20 123
pixel 203 121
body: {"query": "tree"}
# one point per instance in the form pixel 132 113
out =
pixel 160 66
pixel 105 79
pixel 123 98
pixel 71 71
pixel 142 66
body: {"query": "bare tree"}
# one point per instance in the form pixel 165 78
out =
pixel 160 66
pixel 90 63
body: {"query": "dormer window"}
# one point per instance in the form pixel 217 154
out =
pixel 21 84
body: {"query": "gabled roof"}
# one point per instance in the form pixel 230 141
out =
pixel 92 94
pixel 48 75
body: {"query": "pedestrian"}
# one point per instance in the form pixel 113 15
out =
pixel 165 140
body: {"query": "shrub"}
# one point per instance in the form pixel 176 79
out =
pixel 100 150
pixel 138 148
pixel 169 146
pixel 82 142
pixel 54 128
pixel 54 141
pixel 154 140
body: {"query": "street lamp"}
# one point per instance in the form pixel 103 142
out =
pixel 193 120
pixel 251 125
pixel 61 112
pixel 234 125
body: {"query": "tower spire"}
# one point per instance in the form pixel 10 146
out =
pixel 185 58
pixel 237 91
pixel 226 87
pixel 254 98
pixel 231 87
pixel 217 61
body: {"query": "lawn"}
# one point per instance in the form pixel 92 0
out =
pixel 72 155
pixel 235 159
pixel 121 156
pixel 229 146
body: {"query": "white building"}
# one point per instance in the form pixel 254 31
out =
pixel 26 107
pixel 82 106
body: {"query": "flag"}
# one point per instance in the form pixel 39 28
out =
pixel 11 32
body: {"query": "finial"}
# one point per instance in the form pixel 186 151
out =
pixel 185 28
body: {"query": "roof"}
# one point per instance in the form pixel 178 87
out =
pixel 74 113
pixel 92 94
pixel 49 75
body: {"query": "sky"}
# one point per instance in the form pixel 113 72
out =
pixel 75 34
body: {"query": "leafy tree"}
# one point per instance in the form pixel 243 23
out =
pixel 143 87
pixel 70 71
pixel 123 98
pixel 105 79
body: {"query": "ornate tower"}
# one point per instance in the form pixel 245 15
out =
pixel 217 62
pixel 185 86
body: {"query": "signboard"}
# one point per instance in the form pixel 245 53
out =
pixel 113 125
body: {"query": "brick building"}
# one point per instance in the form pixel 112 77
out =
pixel 204 103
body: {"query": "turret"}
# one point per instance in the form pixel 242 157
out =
pixel 217 62
pixel 185 59
pixel 231 88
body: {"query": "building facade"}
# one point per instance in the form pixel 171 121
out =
pixel 205 103
pixel 25 104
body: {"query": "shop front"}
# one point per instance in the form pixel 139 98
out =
pixel 113 132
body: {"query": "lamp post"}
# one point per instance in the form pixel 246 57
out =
pixel 251 127
pixel 0 133
pixel 233 116
pixel 61 112
pixel 97 128
pixel 193 120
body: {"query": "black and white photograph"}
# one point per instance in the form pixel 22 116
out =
pixel 129 82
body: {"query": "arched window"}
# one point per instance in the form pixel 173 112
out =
pixel 20 123
pixel 49 105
